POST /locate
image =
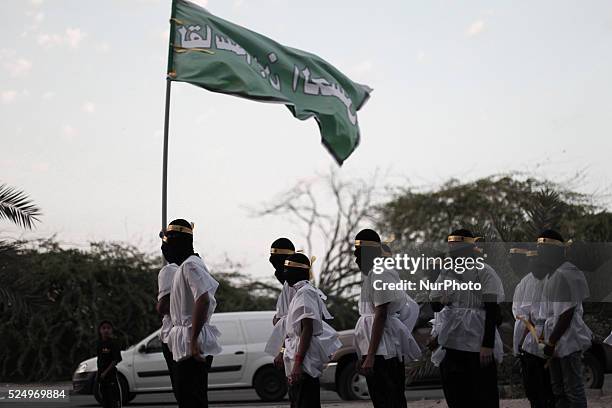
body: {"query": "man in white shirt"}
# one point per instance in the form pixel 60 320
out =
pixel 469 336
pixel 380 336
pixel 280 250
pixel 164 286
pixel 193 341
pixel 308 345
pixel 529 327
pixel 566 336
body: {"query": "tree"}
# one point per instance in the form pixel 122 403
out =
pixel 334 223
pixel 17 207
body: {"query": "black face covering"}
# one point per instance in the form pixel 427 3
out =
pixel 178 248
pixel 294 275
pixel 278 262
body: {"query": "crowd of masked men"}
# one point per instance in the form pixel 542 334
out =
pixel 549 334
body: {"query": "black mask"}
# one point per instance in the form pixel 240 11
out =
pixel 295 276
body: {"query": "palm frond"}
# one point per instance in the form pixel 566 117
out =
pixel 17 207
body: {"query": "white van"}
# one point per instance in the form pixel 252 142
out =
pixel 242 363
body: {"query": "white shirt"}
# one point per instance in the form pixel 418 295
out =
pixel 465 315
pixel 164 286
pixel 397 340
pixel 307 303
pixel 564 289
pixel 284 299
pixel 526 304
pixel 191 281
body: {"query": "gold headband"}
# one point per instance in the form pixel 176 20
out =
pixel 361 242
pixel 296 264
pixel 301 265
pixel 460 238
pixel 180 228
pixel 531 253
pixel 521 251
pixel 551 241
pixel 281 251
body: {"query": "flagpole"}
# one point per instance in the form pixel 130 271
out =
pixel 169 72
pixel 164 208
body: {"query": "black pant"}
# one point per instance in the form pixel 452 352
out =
pixel 171 364
pixel 191 382
pixel 387 383
pixel 306 393
pixel 109 390
pixel 466 384
pixel 536 380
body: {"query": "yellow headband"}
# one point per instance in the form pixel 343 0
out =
pixel 180 228
pixel 460 238
pixel 521 251
pixel 293 264
pixel 361 242
pixel 281 251
pixel 551 241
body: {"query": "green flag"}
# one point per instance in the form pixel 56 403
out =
pixel 220 56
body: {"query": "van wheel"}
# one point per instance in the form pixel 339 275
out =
pixel 592 371
pixel 270 384
pixel 352 385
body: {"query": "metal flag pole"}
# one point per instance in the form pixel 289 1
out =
pixel 169 72
pixel 164 201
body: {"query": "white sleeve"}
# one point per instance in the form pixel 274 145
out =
pixel 491 284
pixel 198 279
pixel 164 280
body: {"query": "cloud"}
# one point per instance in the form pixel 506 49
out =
pixel 18 67
pixel 475 28
pixel 71 37
pixel 103 47
pixel 201 3
pixel 88 107
pixel 420 56
pixel 74 37
pixel 48 95
pixel 8 96
pixel 68 132
pixel 36 2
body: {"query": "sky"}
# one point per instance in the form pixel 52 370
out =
pixel 461 89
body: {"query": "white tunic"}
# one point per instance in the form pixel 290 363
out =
pixel 437 326
pixel 308 304
pixel 566 288
pixel 191 281
pixel 465 315
pixel 164 286
pixel 279 332
pixel 529 308
pixel 397 340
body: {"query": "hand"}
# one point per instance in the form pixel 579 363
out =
pixel 278 361
pixel 486 356
pixel 296 374
pixel 196 353
pixel 432 343
pixel 368 365
pixel 549 350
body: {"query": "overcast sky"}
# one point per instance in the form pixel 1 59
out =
pixel 462 89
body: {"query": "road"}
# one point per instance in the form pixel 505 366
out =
pixel 226 398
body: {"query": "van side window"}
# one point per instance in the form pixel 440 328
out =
pixel 254 331
pixel 230 333
pixel 154 345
